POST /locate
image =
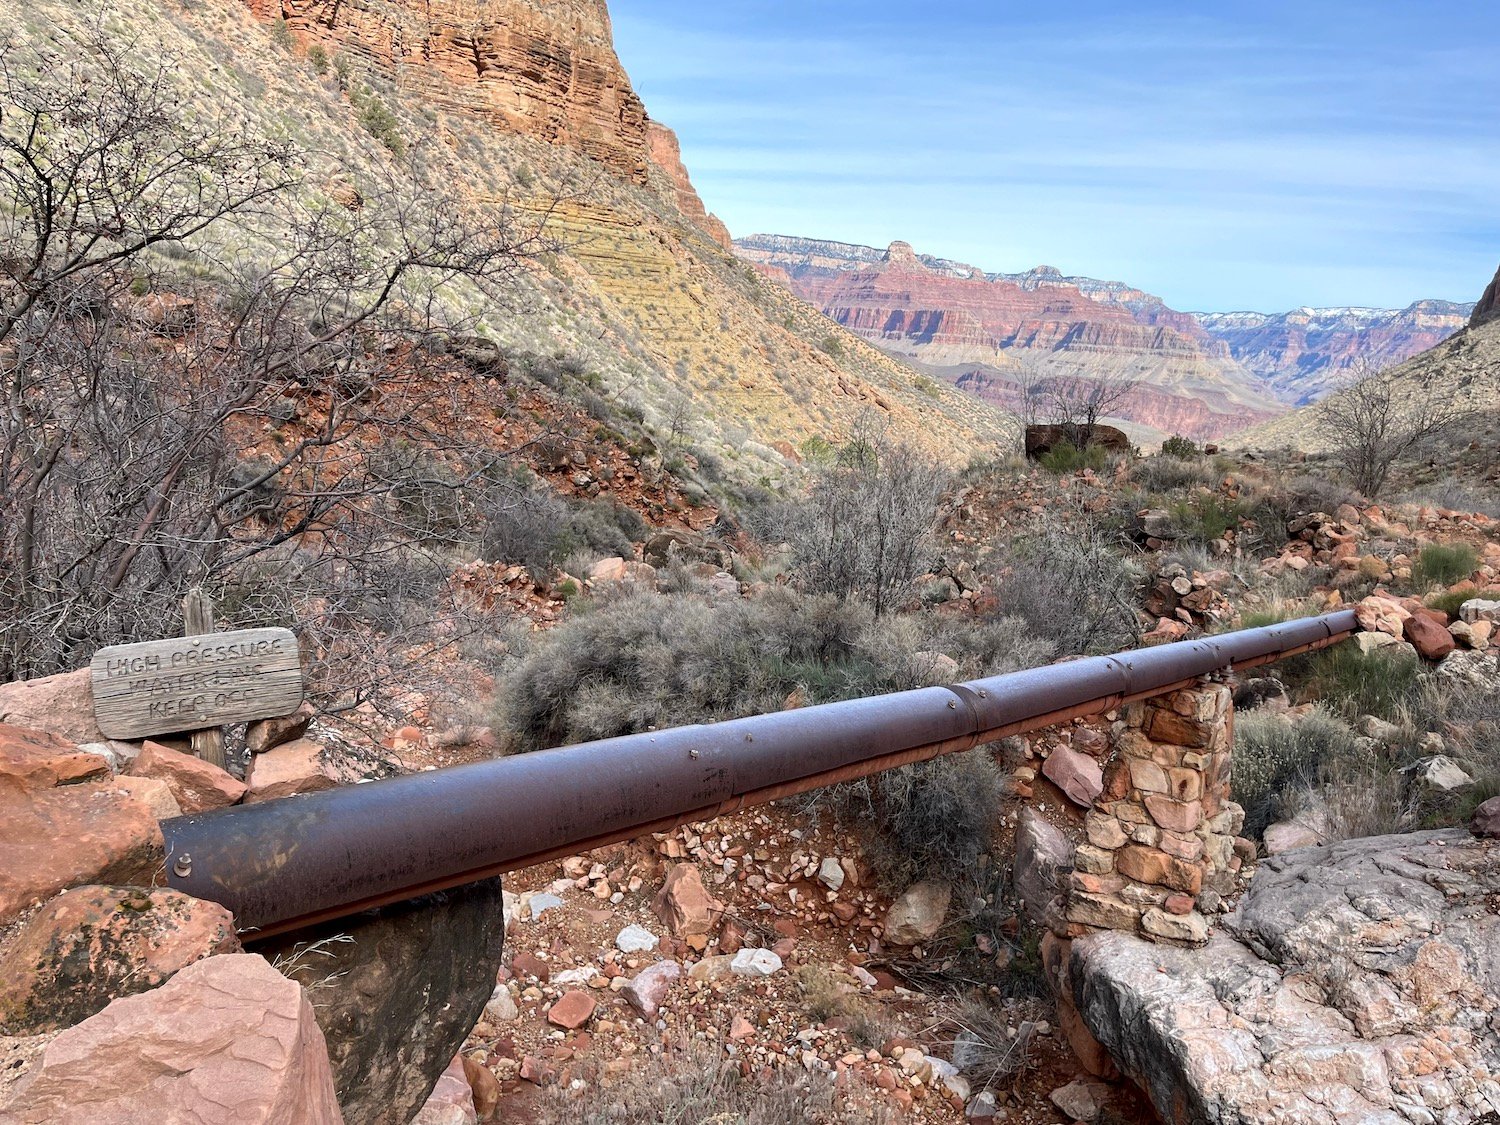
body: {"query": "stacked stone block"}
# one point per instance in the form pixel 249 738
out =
pixel 1161 837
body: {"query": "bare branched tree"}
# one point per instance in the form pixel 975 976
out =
pixel 1080 401
pixel 1375 422
pixel 267 423
pixel 867 528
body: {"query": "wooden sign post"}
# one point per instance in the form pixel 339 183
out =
pixel 197 682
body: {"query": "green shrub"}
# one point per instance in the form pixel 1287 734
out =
pixel 1440 564
pixel 833 346
pixel 1274 756
pixel 1165 475
pixel 1449 602
pixel 1179 447
pixel 317 55
pixel 1380 683
pixel 1065 457
pixel 1207 516
pixel 376 118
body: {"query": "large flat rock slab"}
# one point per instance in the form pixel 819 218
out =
pixel 1355 985
pixel 227 1041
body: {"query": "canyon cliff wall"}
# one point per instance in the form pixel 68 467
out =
pixel 985 332
pixel 543 70
pixel 1306 354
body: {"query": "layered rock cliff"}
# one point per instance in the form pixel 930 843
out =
pixel 1307 353
pixel 980 329
pixel 544 70
pixel 666 154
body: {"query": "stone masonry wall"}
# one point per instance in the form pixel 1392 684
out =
pixel 1162 847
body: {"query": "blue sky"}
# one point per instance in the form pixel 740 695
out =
pixel 1225 155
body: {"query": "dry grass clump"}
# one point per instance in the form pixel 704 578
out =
pixel 699 1087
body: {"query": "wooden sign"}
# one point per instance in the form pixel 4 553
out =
pixel 189 683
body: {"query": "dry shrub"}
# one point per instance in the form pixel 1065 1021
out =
pixel 1275 757
pixel 832 998
pixel 699 1087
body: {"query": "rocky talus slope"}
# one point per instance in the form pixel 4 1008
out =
pixel 987 332
pixel 1306 354
pixel 1355 985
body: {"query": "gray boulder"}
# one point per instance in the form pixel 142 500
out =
pixel 1043 859
pixel 397 1001
pixel 1355 985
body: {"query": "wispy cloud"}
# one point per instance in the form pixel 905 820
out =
pixel 1264 154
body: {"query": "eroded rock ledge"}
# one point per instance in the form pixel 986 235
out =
pixel 1355 985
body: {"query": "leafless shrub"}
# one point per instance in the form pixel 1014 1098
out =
pixel 1072 586
pixel 121 478
pixel 1374 422
pixel 866 530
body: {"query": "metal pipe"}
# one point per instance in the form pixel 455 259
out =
pixel 285 864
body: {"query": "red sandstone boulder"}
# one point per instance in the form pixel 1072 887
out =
pixel 685 905
pixel 61 705
pixel 41 761
pixel 1079 776
pixel 198 785
pixel 267 734
pixel 228 1039
pixel 1380 615
pixel 1431 640
pixel 67 837
pixel 91 945
pixel 287 771
pixel 152 792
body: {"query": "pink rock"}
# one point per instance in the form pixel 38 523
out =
pixel 647 990
pixel 61 705
pixel 287 771
pixel 91 945
pixel 41 761
pixel 1174 816
pixel 572 1010
pixel 451 1101
pixel 1079 776
pixel 228 1039
pixel 156 795
pixel 1378 615
pixel 684 904
pixel 67 837
pixel 198 785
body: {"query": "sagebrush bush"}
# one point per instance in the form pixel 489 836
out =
pixel 1274 757
pixel 1072 587
pixel 645 661
pixel 1443 564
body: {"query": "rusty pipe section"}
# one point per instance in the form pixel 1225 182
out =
pixel 285 864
